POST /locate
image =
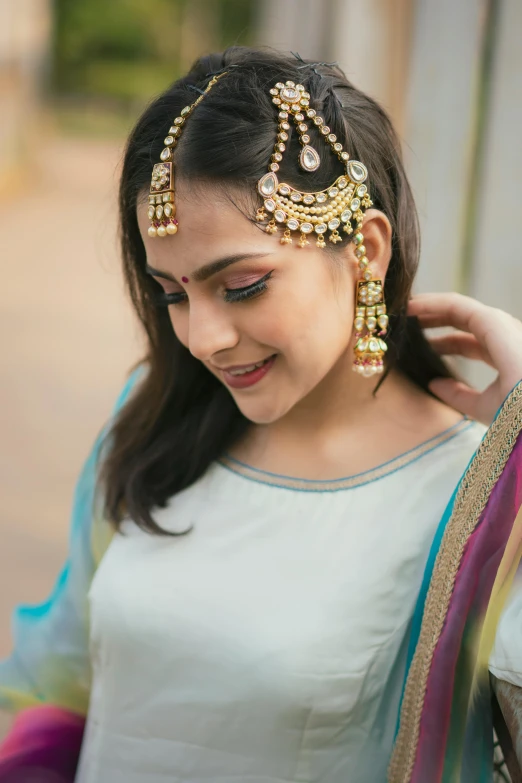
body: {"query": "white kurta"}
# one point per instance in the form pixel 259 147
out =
pixel 268 645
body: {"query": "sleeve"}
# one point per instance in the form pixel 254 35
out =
pixel 50 659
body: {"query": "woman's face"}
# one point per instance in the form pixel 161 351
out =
pixel 272 322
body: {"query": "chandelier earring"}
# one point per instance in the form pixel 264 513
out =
pixel 371 319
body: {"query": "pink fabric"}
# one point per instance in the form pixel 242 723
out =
pixel 43 746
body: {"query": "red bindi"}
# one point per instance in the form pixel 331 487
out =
pixel 184 279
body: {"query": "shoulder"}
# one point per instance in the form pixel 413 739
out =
pixel 451 455
pixel 470 436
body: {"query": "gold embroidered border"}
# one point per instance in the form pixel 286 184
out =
pixel 286 482
pixel 472 496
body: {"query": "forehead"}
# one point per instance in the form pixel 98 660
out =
pixel 211 224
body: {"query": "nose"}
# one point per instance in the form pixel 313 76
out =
pixel 210 331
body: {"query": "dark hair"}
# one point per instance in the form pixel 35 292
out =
pixel 180 418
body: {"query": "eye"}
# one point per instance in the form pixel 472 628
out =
pixel 240 294
pixel 163 299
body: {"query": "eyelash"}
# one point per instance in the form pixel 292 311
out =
pixel 231 294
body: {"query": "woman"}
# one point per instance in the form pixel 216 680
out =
pixel 276 603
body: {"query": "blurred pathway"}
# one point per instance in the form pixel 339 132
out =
pixel 66 338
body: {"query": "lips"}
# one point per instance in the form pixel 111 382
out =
pixel 242 369
pixel 243 375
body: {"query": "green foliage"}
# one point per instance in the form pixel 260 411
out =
pixel 236 21
pixel 129 50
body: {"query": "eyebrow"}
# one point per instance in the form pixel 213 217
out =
pixel 206 271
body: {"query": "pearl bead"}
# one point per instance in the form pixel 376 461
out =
pixel 152 231
pixel 172 228
pixel 162 231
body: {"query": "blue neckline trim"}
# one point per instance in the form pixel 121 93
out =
pixel 332 485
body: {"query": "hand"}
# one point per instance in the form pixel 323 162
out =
pixel 483 333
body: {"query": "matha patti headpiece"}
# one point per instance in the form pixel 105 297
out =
pixel 341 204
pixel 162 209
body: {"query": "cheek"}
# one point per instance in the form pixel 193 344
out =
pixel 317 317
pixel 180 324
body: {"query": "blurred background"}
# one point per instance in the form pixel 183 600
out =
pixel 74 74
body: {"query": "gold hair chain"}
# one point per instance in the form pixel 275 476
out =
pixel 162 209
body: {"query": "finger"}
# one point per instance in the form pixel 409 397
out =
pixel 451 309
pixel 461 344
pixel 456 394
pixel 497 331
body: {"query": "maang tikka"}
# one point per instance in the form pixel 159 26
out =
pixel 341 204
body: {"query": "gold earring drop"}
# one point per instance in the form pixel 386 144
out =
pixel 370 314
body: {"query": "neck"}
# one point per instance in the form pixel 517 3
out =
pixel 341 400
pixel 342 406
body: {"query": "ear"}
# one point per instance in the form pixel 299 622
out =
pixel 377 232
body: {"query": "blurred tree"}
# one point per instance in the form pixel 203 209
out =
pixel 128 50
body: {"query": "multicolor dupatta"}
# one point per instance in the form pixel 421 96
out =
pixel 445 731
pixel 46 680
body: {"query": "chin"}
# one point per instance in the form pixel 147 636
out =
pixel 266 412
